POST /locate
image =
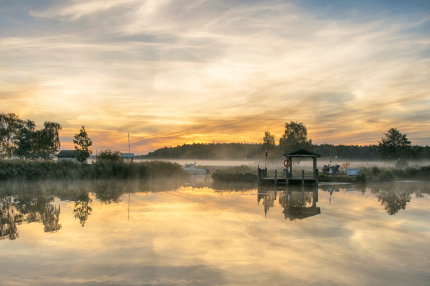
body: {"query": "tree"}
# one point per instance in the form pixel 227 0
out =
pixel 25 140
pixel 9 129
pixel 47 140
pixel 394 145
pixel 82 144
pixel 268 141
pixel 295 137
pixel 110 156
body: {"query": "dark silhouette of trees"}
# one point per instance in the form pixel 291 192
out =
pixel 110 156
pixel 9 129
pixel 268 141
pixel 25 140
pixel 219 151
pixel 348 152
pixel 19 137
pixel 47 140
pixel 82 145
pixel 295 137
pixel 394 145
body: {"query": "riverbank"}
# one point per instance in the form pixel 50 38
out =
pixel 248 174
pixel 49 170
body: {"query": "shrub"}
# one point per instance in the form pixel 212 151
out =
pixel 109 156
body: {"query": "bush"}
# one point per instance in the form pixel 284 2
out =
pixel 109 156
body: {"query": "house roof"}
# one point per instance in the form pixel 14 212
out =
pixel 127 155
pixel 302 153
pixel 66 153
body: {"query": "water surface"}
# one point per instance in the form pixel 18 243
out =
pixel 129 233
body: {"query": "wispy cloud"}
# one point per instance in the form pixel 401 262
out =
pixel 181 71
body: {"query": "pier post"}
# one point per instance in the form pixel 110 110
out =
pixel 258 174
pixel 286 177
pixel 316 193
pixel 316 176
pixel 276 177
pixel 303 177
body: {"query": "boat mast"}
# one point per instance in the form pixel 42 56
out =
pixel 129 142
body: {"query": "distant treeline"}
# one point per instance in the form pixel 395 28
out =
pixel 217 151
pixel 238 151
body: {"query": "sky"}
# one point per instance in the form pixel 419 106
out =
pixel 171 72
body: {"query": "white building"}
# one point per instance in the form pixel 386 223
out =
pixel 127 157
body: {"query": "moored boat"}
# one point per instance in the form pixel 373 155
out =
pixel 193 170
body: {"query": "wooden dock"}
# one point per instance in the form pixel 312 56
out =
pixel 285 179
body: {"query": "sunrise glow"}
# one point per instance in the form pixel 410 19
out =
pixel 173 72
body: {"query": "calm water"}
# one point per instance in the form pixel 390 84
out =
pixel 128 233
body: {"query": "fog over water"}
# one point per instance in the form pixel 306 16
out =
pixel 132 233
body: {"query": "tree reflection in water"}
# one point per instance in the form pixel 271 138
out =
pixel 83 208
pixel 33 201
pixel 393 196
pixel 15 210
pixel 9 218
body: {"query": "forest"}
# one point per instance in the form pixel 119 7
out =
pixel 240 151
pixel 393 146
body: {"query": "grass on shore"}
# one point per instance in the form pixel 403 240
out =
pixel 242 173
pixel 49 170
pixel 374 173
pixel 248 174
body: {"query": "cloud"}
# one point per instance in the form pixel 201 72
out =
pixel 166 69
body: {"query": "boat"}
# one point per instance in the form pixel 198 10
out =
pixel 191 168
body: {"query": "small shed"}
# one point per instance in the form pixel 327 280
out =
pixel 69 155
pixel 127 157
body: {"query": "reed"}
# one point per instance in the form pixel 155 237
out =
pixel 235 174
pixel 48 170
